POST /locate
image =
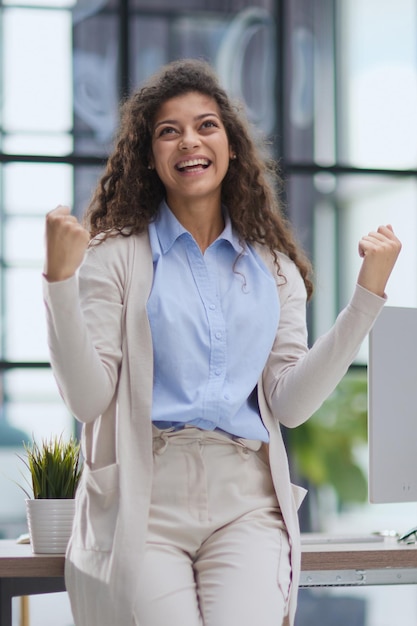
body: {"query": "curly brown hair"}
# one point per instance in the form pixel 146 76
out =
pixel 129 193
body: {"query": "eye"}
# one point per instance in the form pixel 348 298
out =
pixel 209 124
pixel 167 130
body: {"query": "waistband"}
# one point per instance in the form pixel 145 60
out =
pixel 189 433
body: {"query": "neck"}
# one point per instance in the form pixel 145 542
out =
pixel 205 223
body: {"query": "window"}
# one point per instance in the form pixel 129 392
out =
pixel 36 127
pixel 65 67
pixel 349 139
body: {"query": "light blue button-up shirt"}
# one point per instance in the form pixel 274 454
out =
pixel 213 320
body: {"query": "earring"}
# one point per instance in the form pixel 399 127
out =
pixel 150 167
pixel 234 157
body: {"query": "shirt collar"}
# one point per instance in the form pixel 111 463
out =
pixel 169 229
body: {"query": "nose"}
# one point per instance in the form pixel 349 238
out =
pixel 189 140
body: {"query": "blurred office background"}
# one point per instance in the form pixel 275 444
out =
pixel 332 85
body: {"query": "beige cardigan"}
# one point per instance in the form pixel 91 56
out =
pixel 101 354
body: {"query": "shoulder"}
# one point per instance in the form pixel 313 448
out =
pixel 286 272
pixel 114 245
pixel 290 283
pixel 115 241
pixel 117 253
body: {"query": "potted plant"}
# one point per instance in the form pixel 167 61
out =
pixel 55 469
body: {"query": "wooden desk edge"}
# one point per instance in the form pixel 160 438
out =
pixel 17 561
pixel 39 566
pixel 385 554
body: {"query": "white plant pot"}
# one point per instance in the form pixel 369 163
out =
pixel 50 525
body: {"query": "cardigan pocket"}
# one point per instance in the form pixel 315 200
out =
pixel 97 508
pixel 298 494
pixel 284 567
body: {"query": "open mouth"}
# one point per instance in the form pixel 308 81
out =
pixel 192 165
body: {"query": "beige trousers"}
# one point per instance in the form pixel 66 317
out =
pixel 217 549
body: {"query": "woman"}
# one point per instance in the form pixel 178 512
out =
pixel 181 346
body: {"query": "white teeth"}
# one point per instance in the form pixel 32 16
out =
pixel 192 163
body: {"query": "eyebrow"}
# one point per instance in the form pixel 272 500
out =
pixel 196 119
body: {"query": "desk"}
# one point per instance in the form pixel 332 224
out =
pixel 23 573
pixel 322 564
pixel 384 562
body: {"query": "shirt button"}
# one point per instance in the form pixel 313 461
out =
pixel 218 335
pixel 212 307
pixel 218 372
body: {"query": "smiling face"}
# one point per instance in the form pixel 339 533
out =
pixel 190 149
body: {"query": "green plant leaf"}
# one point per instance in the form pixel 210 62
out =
pixel 55 468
